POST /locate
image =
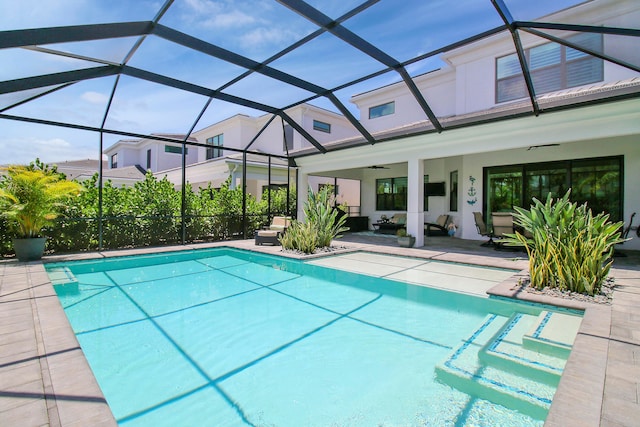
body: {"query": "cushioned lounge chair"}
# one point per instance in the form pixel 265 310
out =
pixel 438 228
pixel 271 234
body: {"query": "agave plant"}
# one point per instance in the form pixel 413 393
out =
pixel 31 198
pixel 326 220
pixel 323 224
pixel 568 247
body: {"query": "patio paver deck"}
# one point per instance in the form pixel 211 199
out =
pixel 45 379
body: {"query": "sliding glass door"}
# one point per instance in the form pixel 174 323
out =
pixel 598 182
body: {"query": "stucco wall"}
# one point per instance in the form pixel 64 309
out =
pixel 626 146
pixel 594 131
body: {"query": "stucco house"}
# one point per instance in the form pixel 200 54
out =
pixel 521 149
pixel 149 154
pixel 218 153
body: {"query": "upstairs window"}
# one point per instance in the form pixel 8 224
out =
pixel 114 161
pixel 175 150
pixel 382 110
pixel 321 126
pixel 216 143
pixel 552 66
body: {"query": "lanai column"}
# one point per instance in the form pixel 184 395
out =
pixel 415 200
pixel 303 192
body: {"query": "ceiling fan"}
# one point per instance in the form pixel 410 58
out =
pixel 377 167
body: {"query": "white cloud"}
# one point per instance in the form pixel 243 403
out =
pixel 235 18
pixel 94 97
pixel 23 150
pixel 267 36
pixel 218 15
pixel 204 6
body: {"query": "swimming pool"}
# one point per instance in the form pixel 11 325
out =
pixel 230 337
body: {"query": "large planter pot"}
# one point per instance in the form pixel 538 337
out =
pixel 407 241
pixel 30 249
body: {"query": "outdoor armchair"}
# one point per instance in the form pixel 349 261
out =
pixel 272 234
pixel 439 227
pixel 483 230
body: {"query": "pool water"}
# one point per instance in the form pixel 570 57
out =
pixel 225 337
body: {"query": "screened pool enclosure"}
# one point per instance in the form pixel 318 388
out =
pixel 79 77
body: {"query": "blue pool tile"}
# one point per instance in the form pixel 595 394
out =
pixel 342 375
pixel 99 309
pixel 141 373
pixel 326 294
pixel 261 324
pixel 429 322
pixel 153 272
pixel 222 261
pixel 201 407
pixel 86 286
pixel 261 274
pixel 167 295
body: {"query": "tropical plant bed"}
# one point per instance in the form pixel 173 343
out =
pixel 317 251
pixel 604 297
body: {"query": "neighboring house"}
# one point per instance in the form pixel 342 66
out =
pixel 82 170
pixel 221 158
pixel 150 154
pixel 512 157
pixel 216 162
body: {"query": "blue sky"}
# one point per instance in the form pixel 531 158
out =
pixel 256 29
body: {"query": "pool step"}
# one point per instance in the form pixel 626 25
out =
pixel 506 351
pixel 61 276
pixel 488 365
pixel 553 334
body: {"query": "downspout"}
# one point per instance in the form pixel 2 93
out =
pixel 100 171
pixel 231 172
pixel 287 211
pixel 244 194
pixel 183 204
pixel 269 190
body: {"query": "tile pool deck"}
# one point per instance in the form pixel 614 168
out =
pixel 45 379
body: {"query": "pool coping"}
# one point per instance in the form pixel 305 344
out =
pixel 67 393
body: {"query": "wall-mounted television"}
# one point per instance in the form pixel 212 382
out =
pixel 434 189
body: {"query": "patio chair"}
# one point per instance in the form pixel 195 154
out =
pixel 502 223
pixel 271 234
pixel 439 227
pixel 483 230
pixel 625 235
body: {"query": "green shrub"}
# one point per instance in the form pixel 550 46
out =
pixel 279 203
pixel 149 213
pixel 568 247
pixel 301 236
pixel 323 224
pixel 31 198
pixel 326 220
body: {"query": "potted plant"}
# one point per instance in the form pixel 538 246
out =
pixel 30 199
pixel 404 239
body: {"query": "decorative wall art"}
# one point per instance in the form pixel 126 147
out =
pixel 472 192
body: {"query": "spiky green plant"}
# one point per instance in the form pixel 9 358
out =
pixel 32 198
pixel 323 224
pixel 568 247
pixel 301 236
pixel 319 211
